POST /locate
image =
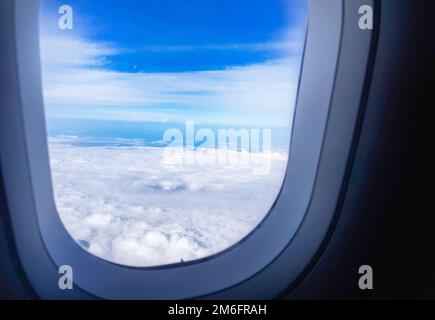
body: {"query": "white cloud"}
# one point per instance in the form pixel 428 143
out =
pixel 66 52
pixel 76 75
pixel 269 46
pixel 128 205
pixel 132 207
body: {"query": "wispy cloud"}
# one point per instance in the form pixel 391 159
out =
pixel 70 52
pixel 270 46
pixel 77 76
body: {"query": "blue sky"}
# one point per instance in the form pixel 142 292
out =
pixel 172 60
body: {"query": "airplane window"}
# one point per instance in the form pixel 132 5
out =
pixel 168 122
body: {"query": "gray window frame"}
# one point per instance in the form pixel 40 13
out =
pixel 261 265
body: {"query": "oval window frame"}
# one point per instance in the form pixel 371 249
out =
pixel 283 242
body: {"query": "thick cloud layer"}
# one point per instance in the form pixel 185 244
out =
pixel 134 207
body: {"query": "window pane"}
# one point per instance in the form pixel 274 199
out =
pixel 168 121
